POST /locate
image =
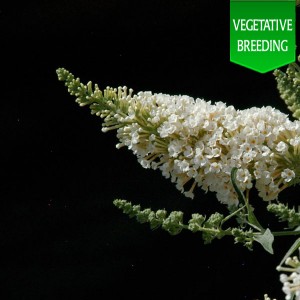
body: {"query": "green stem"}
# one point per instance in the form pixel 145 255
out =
pixel 211 230
pixel 252 221
pixel 233 214
pixel 283 233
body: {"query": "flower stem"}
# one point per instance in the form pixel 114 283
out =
pixel 283 233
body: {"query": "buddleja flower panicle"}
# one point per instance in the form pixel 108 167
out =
pixel 196 143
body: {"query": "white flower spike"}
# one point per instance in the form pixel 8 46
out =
pixel 197 143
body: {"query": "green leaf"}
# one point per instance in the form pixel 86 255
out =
pixel 252 219
pixel 266 240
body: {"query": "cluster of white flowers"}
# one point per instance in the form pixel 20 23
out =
pixel 197 143
pixel 291 283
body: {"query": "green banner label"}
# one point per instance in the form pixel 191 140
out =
pixel 262 33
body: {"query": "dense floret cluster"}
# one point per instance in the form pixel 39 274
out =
pixel 194 140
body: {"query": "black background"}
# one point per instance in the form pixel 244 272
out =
pixel 61 237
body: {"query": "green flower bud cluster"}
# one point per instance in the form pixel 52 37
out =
pixel 285 214
pixel 243 236
pixel 288 84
